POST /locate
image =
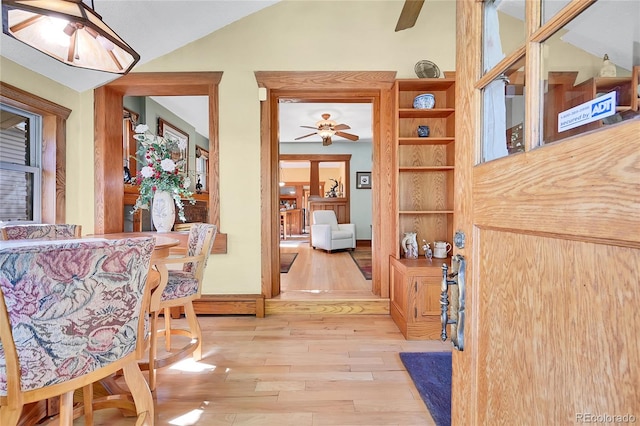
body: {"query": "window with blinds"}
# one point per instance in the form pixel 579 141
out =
pixel 20 165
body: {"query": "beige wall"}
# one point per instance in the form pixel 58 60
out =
pixel 289 36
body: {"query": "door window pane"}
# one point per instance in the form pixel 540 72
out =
pixel 590 71
pixel 504 30
pixel 503 102
pixel 551 7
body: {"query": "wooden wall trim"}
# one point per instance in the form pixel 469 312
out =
pixel 334 86
pixel 24 100
pixel 54 148
pixel 230 304
pixel 166 83
pixel 310 80
pixel 316 157
pixel 384 227
pixel 109 186
pixel 467 152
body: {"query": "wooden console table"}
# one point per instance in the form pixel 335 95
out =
pixel 291 221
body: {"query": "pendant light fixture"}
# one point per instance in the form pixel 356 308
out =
pixel 69 31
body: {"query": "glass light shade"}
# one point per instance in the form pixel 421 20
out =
pixel 69 31
pixel 326 133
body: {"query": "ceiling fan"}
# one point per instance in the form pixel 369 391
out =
pixel 409 14
pixel 327 128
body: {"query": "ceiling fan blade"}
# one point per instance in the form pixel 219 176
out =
pixel 309 127
pixel 409 14
pixel 347 136
pixel 341 127
pixel 326 141
pixel 305 136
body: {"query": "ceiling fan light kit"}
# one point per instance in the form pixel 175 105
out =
pixel 327 128
pixel 69 31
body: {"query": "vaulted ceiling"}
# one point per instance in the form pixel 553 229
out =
pixel 154 28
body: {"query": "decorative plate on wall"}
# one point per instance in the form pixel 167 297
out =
pixel 427 69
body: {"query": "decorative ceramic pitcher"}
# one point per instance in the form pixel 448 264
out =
pixel 410 245
pixel 441 249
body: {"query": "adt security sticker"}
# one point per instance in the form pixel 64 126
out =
pixel 588 112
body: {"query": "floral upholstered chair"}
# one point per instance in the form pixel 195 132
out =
pixel 179 288
pixel 70 315
pixel 40 231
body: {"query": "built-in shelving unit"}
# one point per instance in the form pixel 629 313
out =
pixel 424 179
pixel 425 164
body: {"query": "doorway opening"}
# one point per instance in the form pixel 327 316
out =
pixel 372 87
pixel 309 183
pixel 321 145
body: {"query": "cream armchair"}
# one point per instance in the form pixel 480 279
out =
pixel 328 234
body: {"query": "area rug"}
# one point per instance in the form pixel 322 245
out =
pixel 362 258
pixel 286 260
pixel 431 373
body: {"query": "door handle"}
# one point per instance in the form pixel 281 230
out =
pixel 454 317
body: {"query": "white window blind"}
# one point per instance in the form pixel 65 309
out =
pixel 20 170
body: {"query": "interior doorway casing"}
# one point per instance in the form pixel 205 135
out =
pixel 328 86
pixel 108 99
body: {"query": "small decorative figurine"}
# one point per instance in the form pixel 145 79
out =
pixel 428 253
pixel 410 245
pixel 608 68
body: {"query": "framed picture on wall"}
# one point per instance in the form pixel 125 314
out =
pixel 363 180
pixel 179 141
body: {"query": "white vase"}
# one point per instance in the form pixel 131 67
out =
pixel 163 211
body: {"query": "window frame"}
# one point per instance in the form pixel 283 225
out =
pixel 536 33
pixel 35 164
pixel 54 148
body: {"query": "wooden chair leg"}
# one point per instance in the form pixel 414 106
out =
pixel 10 415
pixel 140 392
pixel 153 350
pixel 87 399
pixel 194 328
pixel 66 409
pixel 167 329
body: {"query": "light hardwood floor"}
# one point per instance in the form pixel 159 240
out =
pixel 302 370
pixel 296 369
pixel 317 274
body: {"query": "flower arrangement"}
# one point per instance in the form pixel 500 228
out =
pixel 162 170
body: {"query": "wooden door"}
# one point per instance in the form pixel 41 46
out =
pixel 553 266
